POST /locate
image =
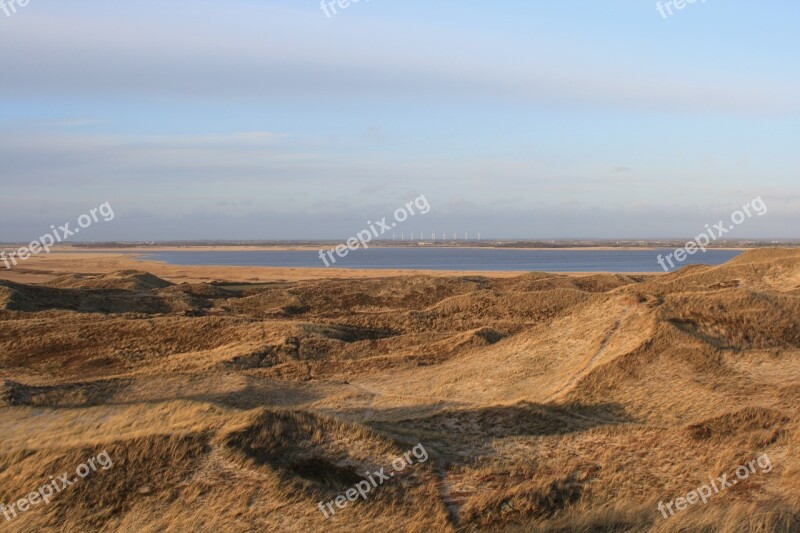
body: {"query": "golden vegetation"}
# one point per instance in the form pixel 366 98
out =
pixel 545 402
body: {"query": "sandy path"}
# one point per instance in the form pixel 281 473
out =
pixel 592 362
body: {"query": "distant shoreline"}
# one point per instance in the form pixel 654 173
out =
pixel 69 260
pixel 314 248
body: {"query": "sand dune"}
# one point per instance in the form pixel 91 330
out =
pixel 546 402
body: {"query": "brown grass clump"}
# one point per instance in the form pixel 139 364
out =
pixel 126 280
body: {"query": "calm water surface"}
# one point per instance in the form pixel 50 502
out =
pixel 451 259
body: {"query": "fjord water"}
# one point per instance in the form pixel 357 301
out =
pixel 476 259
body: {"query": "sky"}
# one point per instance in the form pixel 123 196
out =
pixel 268 119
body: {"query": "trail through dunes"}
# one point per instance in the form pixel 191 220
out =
pixel 592 362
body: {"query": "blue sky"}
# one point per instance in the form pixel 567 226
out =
pixel 269 120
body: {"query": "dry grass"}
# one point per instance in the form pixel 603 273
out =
pixel 545 402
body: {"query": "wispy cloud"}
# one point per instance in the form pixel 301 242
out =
pixel 260 59
pixel 515 119
pixel 75 123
